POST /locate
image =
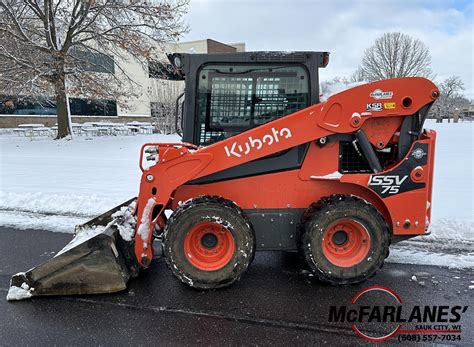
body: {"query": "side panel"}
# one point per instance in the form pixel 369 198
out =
pixel 406 188
pixel 275 229
pixel 410 201
pixel 287 160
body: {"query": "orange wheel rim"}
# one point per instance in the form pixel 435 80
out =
pixel 346 243
pixel 209 246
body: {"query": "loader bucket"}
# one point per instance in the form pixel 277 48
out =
pixel 98 260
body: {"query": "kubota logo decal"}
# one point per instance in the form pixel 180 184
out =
pixel 390 184
pixel 237 149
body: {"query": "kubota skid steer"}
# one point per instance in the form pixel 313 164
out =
pixel 264 166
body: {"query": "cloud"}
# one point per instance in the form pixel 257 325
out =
pixel 343 28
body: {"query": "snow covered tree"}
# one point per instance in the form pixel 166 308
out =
pixel 395 55
pixel 333 85
pixel 358 76
pixel 450 101
pixel 57 47
pixel 337 85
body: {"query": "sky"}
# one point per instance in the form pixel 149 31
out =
pixel 344 28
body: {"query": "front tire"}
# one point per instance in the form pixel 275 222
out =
pixel 344 239
pixel 208 242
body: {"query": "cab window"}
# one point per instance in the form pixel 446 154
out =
pixel 232 99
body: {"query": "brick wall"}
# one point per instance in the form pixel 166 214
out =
pixel 219 47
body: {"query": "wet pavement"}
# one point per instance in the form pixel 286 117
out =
pixel 276 302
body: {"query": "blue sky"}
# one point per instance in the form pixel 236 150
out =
pixel 344 28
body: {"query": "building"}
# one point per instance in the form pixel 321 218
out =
pixel 467 113
pixel 151 95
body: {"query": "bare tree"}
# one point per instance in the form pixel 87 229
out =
pixel 396 55
pixel 450 101
pixel 163 95
pixel 48 47
pixel 333 85
pixel 358 76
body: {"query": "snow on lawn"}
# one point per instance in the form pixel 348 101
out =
pixel 54 185
pixel 61 180
pixel 454 168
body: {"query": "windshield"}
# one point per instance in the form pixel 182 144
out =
pixel 232 99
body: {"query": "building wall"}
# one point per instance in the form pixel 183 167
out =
pixel 138 106
pixel 188 47
pixel 219 47
pixel 156 90
pixel 468 112
pixel 239 46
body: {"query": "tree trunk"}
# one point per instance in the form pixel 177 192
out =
pixel 62 109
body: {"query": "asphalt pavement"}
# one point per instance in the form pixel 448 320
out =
pixel 276 302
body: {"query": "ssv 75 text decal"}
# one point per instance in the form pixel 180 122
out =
pixel 390 184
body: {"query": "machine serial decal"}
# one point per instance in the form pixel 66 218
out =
pixel 380 94
pixel 389 184
pixel 389 105
pixel 238 150
pixel 374 106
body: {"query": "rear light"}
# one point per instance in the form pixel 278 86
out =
pixel 325 59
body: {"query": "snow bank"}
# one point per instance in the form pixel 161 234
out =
pixel 451 229
pixel 27 220
pixel 408 256
pixel 451 244
pixel 73 205
pixel 53 185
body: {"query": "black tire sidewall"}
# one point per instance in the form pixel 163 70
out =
pixel 189 216
pixel 356 210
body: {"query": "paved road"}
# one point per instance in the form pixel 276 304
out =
pixel 274 303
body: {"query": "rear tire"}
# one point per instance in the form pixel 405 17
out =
pixel 208 242
pixel 344 239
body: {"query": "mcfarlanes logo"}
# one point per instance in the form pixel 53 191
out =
pixel 432 323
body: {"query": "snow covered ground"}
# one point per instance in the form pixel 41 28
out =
pixel 53 185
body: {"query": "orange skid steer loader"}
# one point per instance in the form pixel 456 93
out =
pixel 264 165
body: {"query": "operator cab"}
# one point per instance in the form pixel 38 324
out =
pixel 228 93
